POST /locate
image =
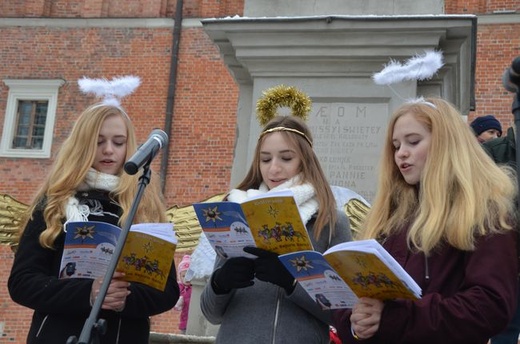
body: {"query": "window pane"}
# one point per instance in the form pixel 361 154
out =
pixel 30 128
pixel 25 107
pixel 19 142
pixel 22 131
pixel 37 143
pixel 41 113
pixel 39 131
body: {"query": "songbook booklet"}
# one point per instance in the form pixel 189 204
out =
pixel 270 221
pixel 348 271
pixel 146 257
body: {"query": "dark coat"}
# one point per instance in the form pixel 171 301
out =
pixel 467 296
pixel 61 306
pixel 503 149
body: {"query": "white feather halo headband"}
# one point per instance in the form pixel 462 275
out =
pixel 419 67
pixel 112 91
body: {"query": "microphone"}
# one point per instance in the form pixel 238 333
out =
pixel 511 76
pixel 147 151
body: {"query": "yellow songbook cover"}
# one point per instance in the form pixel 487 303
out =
pixel 146 257
pixel 348 271
pixel 148 254
pixel 271 221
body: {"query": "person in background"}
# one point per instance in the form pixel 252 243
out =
pixel 258 300
pixel 87 183
pixel 183 305
pixel 445 211
pixel 486 128
pixel 503 151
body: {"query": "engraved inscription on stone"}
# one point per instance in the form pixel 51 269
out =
pixel 348 139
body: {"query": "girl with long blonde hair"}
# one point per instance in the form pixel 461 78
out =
pixel 87 183
pixel 446 212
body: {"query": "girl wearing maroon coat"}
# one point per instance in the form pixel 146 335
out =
pixel 444 211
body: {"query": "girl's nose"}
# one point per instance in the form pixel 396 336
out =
pixel 403 153
pixel 274 167
pixel 108 148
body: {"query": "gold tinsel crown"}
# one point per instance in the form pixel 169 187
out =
pixel 281 95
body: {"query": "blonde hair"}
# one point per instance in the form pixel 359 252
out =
pixel 69 170
pixel 462 193
pixel 298 136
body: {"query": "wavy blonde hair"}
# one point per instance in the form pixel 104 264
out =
pixel 69 170
pixel 310 169
pixel 462 193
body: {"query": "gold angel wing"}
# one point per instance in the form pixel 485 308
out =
pixel 356 211
pixel 187 225
pixel 11 213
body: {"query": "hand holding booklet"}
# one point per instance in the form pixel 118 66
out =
pixel 146 257
pixel 348 271
pixel 270 221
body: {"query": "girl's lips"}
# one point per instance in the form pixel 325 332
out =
pixel 404 167
pixel 277 182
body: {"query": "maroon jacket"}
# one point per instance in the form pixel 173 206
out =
pixel 467 296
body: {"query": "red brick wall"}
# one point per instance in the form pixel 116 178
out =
pixel 480 6
pixel 203 129
pixel 119 8
pixel 72 53
pixel 497 46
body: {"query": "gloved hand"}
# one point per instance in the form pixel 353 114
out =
pixel 237 272
pixel 269 268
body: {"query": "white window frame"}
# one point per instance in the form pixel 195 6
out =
pixel 29 89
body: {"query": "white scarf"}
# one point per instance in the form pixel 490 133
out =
pixel 304 195
pixel 93 180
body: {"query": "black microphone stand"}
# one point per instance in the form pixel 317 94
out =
pixel 516 113
pixel 93 328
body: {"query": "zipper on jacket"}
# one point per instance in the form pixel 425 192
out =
pixel 276 313
pixel 41 326
pixel 426 269
pixel 118 330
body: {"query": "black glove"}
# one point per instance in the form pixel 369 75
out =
pixel 237 272
pixel 269 268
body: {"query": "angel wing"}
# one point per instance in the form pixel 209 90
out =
pixel 186 225
pixel 11 213
pixel 356 211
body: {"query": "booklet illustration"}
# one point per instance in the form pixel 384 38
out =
pixel 347 271
pixel 270 221
pixel 146 257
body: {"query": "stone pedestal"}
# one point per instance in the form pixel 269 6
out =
pixel 197 323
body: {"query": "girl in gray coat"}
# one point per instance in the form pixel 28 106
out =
pixel 258 300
